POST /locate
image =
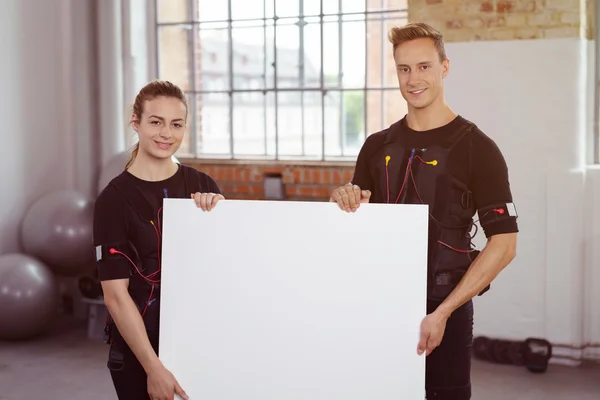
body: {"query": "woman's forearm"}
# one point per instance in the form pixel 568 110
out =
pixel 131 327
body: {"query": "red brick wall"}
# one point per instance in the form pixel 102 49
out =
pixel 302 181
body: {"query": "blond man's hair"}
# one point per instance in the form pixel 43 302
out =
pixel 417 30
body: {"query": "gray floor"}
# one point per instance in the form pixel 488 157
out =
pixel 65 365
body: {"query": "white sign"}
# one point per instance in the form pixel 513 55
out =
pixel 268 300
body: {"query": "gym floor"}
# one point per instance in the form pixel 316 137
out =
pixel 66 365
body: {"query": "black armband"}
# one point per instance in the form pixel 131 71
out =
pixel 497 212
pixel 111 250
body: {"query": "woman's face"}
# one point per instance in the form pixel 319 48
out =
pixel 161 127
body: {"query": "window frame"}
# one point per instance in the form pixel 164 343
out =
pixel 379 15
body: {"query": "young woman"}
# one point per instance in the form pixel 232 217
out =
pixel 127 236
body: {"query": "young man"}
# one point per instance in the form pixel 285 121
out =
pixel 434 156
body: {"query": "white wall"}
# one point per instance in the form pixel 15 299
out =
pixel 534 100
pixel 46 106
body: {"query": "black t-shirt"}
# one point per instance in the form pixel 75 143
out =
pixel 475 160
pixel 116 221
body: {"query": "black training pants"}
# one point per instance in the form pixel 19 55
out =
pixel 448 367
pixel 128 375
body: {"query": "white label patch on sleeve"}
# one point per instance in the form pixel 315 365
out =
pixel 512 210
pixel 98 253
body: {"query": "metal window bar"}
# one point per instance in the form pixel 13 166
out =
pixel 265 80
pixel 375 13
pixel 275 78
pixel 383 69
pixel 365 96
pixel 301 24
pixel 597 86
pixel 322 79
pixel 231 77
pixel 341 125
pixel 196 127
pixel 368 15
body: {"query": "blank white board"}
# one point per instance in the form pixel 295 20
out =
pixel 267 300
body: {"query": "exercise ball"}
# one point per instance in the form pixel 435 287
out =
pixel 114 167
pixel 29 297
pixel 58 230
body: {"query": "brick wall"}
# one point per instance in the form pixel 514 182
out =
pixel 303 181
pixel 470 20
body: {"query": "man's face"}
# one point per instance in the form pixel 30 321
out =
pixel 420 72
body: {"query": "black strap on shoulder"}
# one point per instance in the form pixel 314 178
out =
pixel 134 197
pixel 453 139
pixel 140 204
pixel 192 183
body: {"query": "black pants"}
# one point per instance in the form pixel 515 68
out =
pixel 128 375
pixel 448 367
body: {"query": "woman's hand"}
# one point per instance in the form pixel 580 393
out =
pixel 207 201
pixel 162 385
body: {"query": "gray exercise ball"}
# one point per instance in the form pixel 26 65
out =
pixel 58 230
pixel 114 167
pixel 29 297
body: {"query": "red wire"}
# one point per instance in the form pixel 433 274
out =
pixel 409 169
pixel 147 278
pixel 387 182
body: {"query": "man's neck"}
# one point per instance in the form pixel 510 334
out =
pixel 434 116
pixel 151 169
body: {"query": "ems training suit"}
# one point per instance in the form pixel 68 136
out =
pixel 457 170
pixel 122 216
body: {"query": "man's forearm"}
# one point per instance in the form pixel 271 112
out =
pixel 496 255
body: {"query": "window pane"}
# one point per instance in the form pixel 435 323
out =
pixel 353 117
pixel 331 60
pixel 250 68
pixel 375 111
pixel 169 11
pixel 313 123
pixel 289 123
pixel 312 55
pixel 213 67
pixel 351 6
pixel 174 48
pixel 287 8
pixel 312 7
pixel 377 40
pixel 344 122
pixel 331 7
pixel 288 57
pixel 353 54
pixel 247 9
pixel 249 119
pixel 270 125
pixel 379 5
pixel 211 10
pixel 213 123
pixel 333 122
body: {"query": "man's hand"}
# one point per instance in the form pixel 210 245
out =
pixel 349 197
pixel 433 327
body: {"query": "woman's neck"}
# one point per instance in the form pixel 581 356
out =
pixel 152 169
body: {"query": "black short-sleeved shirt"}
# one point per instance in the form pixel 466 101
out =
pixel 116 221
pixel 475 160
